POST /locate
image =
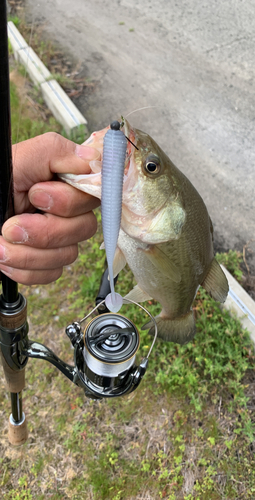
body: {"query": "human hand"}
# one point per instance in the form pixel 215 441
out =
pixel 34 247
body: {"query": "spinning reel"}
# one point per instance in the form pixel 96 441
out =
pixel 104 353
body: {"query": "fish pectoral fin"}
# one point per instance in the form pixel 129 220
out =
pixel 162 262
pixel 180 330
pixel 119 261
pixel 215 282
pixel 137 295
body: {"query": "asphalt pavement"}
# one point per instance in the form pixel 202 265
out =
pixel 192 63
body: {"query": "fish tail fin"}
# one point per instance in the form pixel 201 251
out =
pixel 180 330
pixel 215 282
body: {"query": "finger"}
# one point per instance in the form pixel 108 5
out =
pixel 32 277
pixel 29 258
pixel 61 199
pixel 38 159
pixel 49 231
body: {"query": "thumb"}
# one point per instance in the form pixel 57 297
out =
pixel 38 159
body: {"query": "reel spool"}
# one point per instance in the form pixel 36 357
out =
pixel 105 355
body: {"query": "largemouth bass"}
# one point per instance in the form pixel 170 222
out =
pixel 166 234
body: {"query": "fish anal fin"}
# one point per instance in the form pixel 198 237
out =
pixel 215 282
pixel 137 295
pixel 162 262
pixel 180 330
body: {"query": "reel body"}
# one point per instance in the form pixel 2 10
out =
pixel 110 345
pixel 105 357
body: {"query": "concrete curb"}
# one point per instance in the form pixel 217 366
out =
pixel 56 99
pixel 238 301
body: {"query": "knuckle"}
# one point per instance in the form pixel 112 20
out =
pixel 57 142
pixel 55 274
pixel 67 255
pixel 72 254
pixel 90 226
pixel 51 137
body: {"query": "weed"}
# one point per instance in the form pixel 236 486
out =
pixel 232 260
pixel 22 126
pixel 23 493
pixel 15 20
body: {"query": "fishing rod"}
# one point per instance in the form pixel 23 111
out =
pixel 104 351
pixel 13 324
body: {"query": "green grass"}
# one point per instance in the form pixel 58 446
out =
pixel 232 260
pixel 23 127
pixel 186 433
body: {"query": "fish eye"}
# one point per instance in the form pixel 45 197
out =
pixel 152 165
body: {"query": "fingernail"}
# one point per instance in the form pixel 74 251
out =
pixel 15 234
pixel 6 270
pixel 87 153
pixel 3 256
pixel 40 199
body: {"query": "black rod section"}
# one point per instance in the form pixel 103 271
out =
pixel 9 287
pixel 16 400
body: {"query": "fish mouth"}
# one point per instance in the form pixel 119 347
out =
pixel 128 132
pixel 91 183
pixel 130 135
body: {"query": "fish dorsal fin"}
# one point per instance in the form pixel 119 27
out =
pixel 137 294
pixel 119 262
pixel 215 282
pixel 163 263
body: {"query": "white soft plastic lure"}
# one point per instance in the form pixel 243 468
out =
pixel 114 155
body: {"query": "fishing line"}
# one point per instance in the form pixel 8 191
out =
pixel 140 109
pixel 132 143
